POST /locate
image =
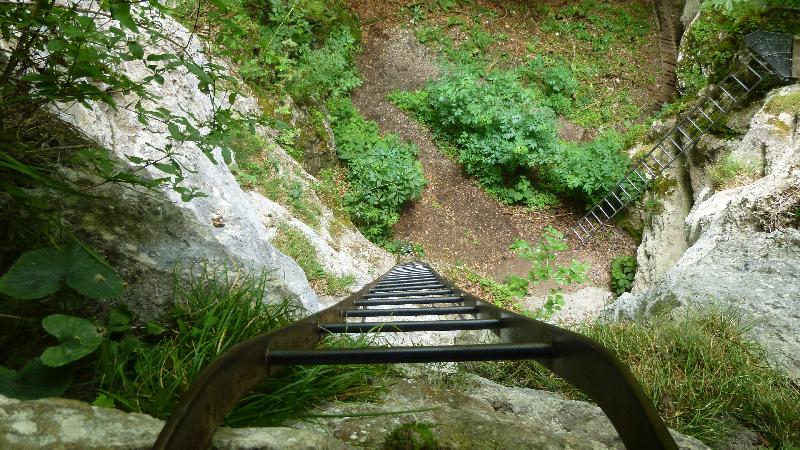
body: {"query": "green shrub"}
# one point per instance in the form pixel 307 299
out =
pixel 701 371
pixel 382 171
pixel 503 127
pixel 623 270
pixel 303 47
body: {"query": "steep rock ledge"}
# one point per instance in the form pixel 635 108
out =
pixel 744 245
pixel 230 224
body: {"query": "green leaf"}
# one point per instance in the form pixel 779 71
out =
pixel 121 11
pixel 35 380
pixel 136 49
pixel 78 338
pixel 103 401
pixel 119 319
pixel 154 329
pixel 55 45
pixel 90 275
pixel 175 131
pixel 35 274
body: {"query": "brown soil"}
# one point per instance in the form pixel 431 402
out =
pixel 455 220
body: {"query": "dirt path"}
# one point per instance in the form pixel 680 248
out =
pixel 455 220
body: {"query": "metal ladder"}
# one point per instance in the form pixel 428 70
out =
pixel 680 139
pixel 415 290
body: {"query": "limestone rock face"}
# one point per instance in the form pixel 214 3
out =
pixel 481 415
pixel 485 415
pixel 229 224
pixel 744 245
pixel 68 424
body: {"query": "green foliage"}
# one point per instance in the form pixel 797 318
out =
pixel 411 436
pixel 39 273
pixel 296 245
pixel 702 371
pixel 61 54
pixel 730 171
pixel 503 127
pixel 405 248
pixel 35 380
pixel 303 47
pixel 382 171
pixel 623 270
pixel 718 33
pixel 213 313
pixel 78 338
pixel 544 267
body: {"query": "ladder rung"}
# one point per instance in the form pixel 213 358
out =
pixel 410 326
pixel 725 91
pixel 578 235
pixel 621 203
pixel 595 216
pixel 408 293
pixel 613 208
pixel 740 83
pixel 627 194
pixel 755 72
pixel 683 132
pixel 711 121
pixel 653 157
pixel 406 283
pixel 694 124
pixel 600 207
pixel 414 278
pixel 412 311
pixel 582 228
pixel 723 110
pixel 586 218
pixel 410 287
pixel 678 146
pixel 408 301
pixel 419 354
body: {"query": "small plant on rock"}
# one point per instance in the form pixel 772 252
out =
pixel 623 270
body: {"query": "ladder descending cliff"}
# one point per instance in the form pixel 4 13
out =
pixel 770 54
pixel 416 291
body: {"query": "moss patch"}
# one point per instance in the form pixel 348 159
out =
pixel 784 103
pixel 412 436
pixel 293 243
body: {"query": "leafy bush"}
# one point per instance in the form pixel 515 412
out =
pixel 383 172
pixel 731 171
pixel 701 370
pixel 303 47
pixel 503 127
pixel 623 270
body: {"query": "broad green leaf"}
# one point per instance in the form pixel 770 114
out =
pixel 136 49
pixel 121 11
pixel 78 338
pixel 35 380
pixel 90 275
pixel 154 329
pixel 35 274
pixel 119 319
pixel 55 45
pixel 103 401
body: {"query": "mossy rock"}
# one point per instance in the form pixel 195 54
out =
pixel 412 436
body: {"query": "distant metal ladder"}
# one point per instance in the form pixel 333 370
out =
pixel 415 290
pixel 762 61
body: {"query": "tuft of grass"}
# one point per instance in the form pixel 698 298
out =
pixel 412 436
pixel 293 243
pixel 701 371
pixel 214 312
pixel 731 171
pixel 784 103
